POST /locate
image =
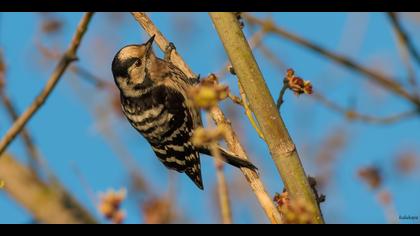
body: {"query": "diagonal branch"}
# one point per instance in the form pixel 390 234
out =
pixel 232 139
pixel 48 203
pixel 402 34
pixel 31 150
pixel 281 146
pixel 376 77
pixel 68 57
pixel 406 49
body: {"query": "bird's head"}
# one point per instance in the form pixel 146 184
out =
pixel 130 66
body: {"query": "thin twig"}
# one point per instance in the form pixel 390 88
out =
pixel 280 144
pixel 354 115
pixel 222 187
pixel 281 95
pixel 68 57
pixel 217 115
pixel 248 112
pixel 374 76
pixel 31 150
pixel 402 34
pixel 85 184
pixel 244 103
pixel 406 48
pixel 36 160
pixel 411 74
pixel 235 99
pixel 224 202
pixel 88 76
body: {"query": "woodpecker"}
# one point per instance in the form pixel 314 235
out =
pixel 153 94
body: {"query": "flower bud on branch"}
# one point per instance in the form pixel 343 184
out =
pixel 294 211
pixel 208 92
pixel 297 84
pixel 294 83
pixel 203 137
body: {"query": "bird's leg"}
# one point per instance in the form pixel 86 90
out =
pixel 168 51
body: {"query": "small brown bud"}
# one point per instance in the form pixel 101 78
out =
pixel 371 175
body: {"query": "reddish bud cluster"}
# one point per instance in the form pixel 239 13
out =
pixel 297 84
pixel 294 211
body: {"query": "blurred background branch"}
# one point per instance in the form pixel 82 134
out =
pixel 403 36
pixel 380 79
pixel 352 115
pixel 68 57
pixel 48 203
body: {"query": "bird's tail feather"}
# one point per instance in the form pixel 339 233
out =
pixel 231 158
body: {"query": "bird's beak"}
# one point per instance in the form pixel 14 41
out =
pixel 149 44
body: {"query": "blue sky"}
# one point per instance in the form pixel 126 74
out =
pixel 67 133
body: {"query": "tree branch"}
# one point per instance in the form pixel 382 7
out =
pixel 402 34
pixel 31 151
pixel 350 114
pixel 281 146
pixel 280 99
pixel 374 76
pixel 217 115
pixel 222 188
pixel 406 48
pixel 47 203
pixel 68 57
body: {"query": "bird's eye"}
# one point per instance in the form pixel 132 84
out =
pixel 138 62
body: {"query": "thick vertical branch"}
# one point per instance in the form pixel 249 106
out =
pixel 47 203
pixel 280 144
pixel 68 57
pixel 231 138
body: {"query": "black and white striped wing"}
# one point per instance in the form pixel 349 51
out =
pixel 162 117
pixel 175 149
